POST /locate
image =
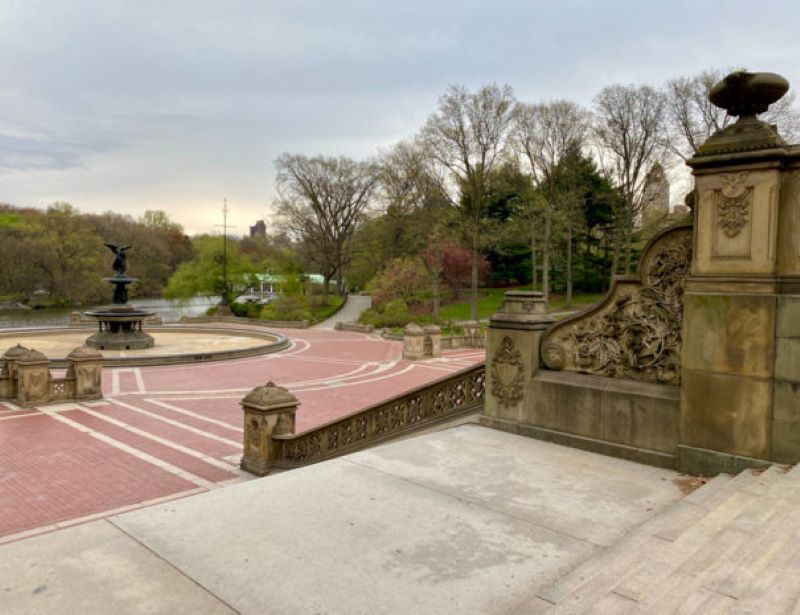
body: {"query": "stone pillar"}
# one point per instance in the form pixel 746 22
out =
pixel 269 411
pixel 413 342
pixel 512 353
pixel 33 379
pixel 472 330
pixel 8 373
pixel 434 334
pixel 85 369
pixel 740 392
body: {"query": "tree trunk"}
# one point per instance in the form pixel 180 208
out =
pixel 325 288
pixel 339 284
pixel 473 304
pixel 546 259
pixel 534 274
pixel 569 267
pixel 437 270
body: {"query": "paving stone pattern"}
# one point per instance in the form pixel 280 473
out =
pixel 170 431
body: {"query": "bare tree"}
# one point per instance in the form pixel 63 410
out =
pixel 467 136
pixel 631 136
pixel 692 118
pixel 546 134
pixel 417 211
pixel 322 200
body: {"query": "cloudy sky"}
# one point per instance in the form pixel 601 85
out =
pixel 174 105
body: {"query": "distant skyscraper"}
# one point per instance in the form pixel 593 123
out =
pixel 655 198
pixel 259 229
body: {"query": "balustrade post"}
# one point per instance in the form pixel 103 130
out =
pixel 434 334
pixel 33 379
pixel 413 342
pixel 512 353
pixel 269 411
pixel 84 372
pixel 472 329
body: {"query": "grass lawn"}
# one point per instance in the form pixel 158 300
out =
pixel 490 299
pixel 318 314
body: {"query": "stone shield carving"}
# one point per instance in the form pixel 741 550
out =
pixel 733 203
pixel 635 332
pixel 508 373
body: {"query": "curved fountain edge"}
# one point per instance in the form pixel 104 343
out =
pixel 277 343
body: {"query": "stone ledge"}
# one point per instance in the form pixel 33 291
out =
pixel 701 461
pixel 622 451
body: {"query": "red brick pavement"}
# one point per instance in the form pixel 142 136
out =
pixel 165 432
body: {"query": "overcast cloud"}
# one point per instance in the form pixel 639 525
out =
pixel 174 105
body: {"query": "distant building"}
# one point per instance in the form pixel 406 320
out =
pixel 655 197
pixel 259 229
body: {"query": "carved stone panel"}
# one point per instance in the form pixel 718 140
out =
pixel 508 373
pixel 636 331
pixel 733 210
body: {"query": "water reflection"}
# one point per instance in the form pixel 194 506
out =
pixel 170 311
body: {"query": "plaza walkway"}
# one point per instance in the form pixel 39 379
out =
pixel 168 432
pixel 349 313
pixel 468 520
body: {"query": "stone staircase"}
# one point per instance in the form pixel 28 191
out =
pixel 731 546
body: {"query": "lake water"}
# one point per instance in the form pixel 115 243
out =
pixel 170 311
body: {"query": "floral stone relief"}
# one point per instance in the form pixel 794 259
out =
pixel 635 332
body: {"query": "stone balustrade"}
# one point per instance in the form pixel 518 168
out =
pixel 25 377
pixel 270 441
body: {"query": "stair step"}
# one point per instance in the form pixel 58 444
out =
pixel 776 592
pixel 764 480
pixel 659 563
pixel 667 593
pixel 602 570
pixel 705 602
pixel 766 550
pixel 687 516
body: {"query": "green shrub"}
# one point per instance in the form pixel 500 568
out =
pixel 287 307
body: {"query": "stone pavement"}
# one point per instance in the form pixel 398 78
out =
pixel 172 431
pixel 466 520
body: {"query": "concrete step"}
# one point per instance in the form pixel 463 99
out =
pixel 777 590
pixel 734 538
pixel 599 571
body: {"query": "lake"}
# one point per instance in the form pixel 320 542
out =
pixel 170 311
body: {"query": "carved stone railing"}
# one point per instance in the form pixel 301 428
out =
pixel 635 332
pixel 439 401
pixel 25 377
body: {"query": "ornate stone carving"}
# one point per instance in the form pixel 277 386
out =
pixel 461 393
pixel 508 373
pixel 636 331
pixel 733 203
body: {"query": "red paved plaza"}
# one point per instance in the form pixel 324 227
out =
pixel 167 432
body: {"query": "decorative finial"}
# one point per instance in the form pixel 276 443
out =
pixel 747 94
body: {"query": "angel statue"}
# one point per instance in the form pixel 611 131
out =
pixel 120 259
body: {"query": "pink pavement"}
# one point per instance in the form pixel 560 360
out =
pixel 167 432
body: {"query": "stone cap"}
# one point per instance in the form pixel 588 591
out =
pixel 269 397
pixel 33 357
pixel 15 352
pixel 413 328
pixel 435 329
pixel 84 353
pixel 522 309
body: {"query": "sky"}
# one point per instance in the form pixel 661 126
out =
pixel 176 105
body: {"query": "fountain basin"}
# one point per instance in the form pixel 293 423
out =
pixel 120 328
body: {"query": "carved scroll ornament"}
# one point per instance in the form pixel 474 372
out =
pixel 636 331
